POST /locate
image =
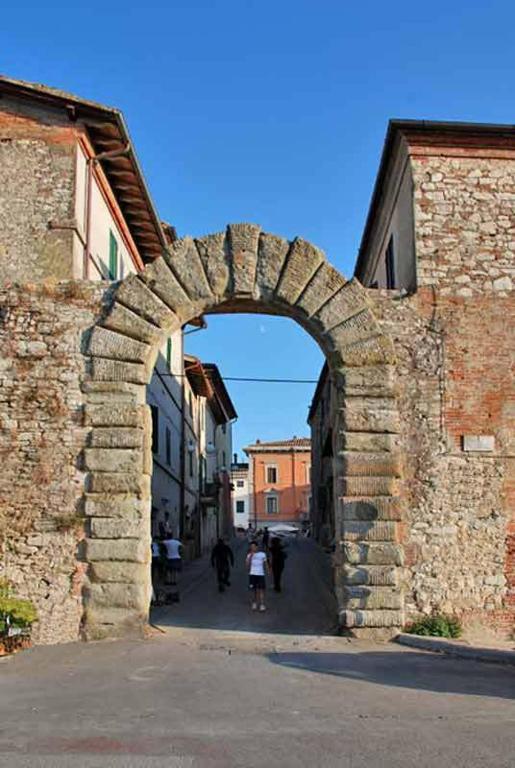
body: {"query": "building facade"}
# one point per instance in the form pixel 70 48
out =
pixel 280 482
pixel 321 420
pixel 242 511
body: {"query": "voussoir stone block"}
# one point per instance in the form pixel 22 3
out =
pixel 325 283
pixel 133 293
pixel 184 259
pixel 348 301
pixel 160 279
pixel 356 328
pixel 243 242
pixel 377 350
pixel 212 251
pixel 373 508
pixel 367 380
pixel 117 505
pixel 113 459
pixel 105 369
pixel 119 482
pixel 377 618
pixel 113 595
pixel 361 530
pixel 374 553
pixel 302 262
pixel 373 575
pixel 129 323
pixel 115 416
pixel 368 414
pixel 132 550
pixel 117 437
pixel 372 598
pixel 118 571
pixel 371 464
pixel 106 343
pixel 272 251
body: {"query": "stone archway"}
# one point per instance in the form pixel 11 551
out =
pixel 241 269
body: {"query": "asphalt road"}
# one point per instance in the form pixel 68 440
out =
pixel 212 697
pixel 306 604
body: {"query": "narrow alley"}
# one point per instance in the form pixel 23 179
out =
pixel 306 604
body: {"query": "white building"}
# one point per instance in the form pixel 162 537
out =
pixel 241 494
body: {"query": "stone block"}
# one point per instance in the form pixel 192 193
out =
pixel 243 242
pixel 272 252
pixel 302 262
pixel 373 575
pixel 103 623
pixel 367 380
pixel 130 323
pixel 369 441
pixel 356 463
pixel 113 595
pixel 115 416
pixel 368 414
pixel 369 509
pixel 326 282
pixel 117 505
pixel 212 252
pixel 372 598
pixel 116 527
pixel 160 279
pixel 368 486
pixel 98 392
pixel 377 350
pixel 133 293
pixel 126 550
pixel 119 482
pixel 377 618
pixel 184 260
pixel 104 369
pixel 361 530
pixel 117 437
pixel 118 571
pixel 106 343
pixel 372 554
pixel 113 459
pixel 356 328
pixel 350 300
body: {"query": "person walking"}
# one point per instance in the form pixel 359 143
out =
pixel 278 556
pixel 266 538
pixel 173 549
pixel 222 559
pixel 257 568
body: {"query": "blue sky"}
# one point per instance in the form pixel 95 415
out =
pixel 272 112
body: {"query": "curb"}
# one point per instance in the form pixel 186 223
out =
pixel 438 645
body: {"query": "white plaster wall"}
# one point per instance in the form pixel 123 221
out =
pixel 240 520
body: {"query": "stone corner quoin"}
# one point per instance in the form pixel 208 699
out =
pixel 240 270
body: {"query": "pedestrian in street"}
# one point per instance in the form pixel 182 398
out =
pixel 257 567
pixel 156 564
pixel 222 559
pixel 165 528
pixel 173 548
pixel 266 538
pixel 278 556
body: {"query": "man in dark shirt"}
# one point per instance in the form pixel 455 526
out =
pixel 222 559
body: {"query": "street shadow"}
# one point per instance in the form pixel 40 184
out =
pixel 418 671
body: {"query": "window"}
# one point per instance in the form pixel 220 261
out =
pixel 224 459
pixel 390 265
pixel 169 353
pixel 240 507
pixel 113 257
pixel 272 505
pixel 271 474
pixel 239 484
pixel 168 446
pixel 190 462
pixel 155 428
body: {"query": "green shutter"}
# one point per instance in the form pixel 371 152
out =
pixel 169 352
pixel 113 256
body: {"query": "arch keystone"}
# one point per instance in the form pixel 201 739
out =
pixel 243 242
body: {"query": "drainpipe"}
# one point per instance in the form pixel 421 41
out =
pixel 95 159
pixel 182 489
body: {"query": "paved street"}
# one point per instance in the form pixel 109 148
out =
pixel 223 688
pixel 305 606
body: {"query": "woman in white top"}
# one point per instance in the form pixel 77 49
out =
pixel 257 567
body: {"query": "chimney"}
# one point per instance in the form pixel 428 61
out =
pixel 235 458
pixel 258 441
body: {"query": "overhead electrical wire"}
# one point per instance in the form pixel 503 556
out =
pixel 252 379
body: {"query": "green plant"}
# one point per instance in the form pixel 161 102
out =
pixel 14 612
pixel 437 625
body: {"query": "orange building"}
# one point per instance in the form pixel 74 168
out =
pixel 280 484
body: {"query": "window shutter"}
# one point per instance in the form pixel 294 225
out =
pixel 113 256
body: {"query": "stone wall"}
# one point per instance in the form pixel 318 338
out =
pixel 41 441
pixel 37 178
